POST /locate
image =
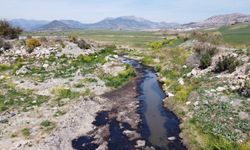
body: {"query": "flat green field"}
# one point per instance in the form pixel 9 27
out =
pixel 236 34
pixel 137 39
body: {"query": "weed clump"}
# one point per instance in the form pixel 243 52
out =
pixel 25 132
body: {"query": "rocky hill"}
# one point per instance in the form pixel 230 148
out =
pixel 54 26
pixel 221 20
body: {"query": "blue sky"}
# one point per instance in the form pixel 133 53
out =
pixel 88 11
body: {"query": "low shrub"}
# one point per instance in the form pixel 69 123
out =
pixel 7 46
pixel 156 45
pixel 213 37
pixel 73 38
pixel 83 44
pixel 183 93
pixel 1 42
pixel 4 45
pixel 205 61
pixel 226 63
pixel 205 48
pixel 32 43
pixel 205 52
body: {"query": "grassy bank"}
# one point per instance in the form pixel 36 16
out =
pixel 209 120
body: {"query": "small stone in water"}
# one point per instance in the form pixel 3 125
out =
pixel 172 138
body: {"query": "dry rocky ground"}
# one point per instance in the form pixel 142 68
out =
pixel 51 95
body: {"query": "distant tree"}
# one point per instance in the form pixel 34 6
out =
pixel 9 32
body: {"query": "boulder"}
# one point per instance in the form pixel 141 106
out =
pixel 193 61
pixel 23 70
pixel 181 81
pixel 140 143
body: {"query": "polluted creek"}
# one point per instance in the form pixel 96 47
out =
pixel 158 127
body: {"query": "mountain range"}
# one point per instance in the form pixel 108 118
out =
pixel 127 23
pixel 120 23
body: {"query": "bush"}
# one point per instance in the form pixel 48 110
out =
pixel 7 31
pixel 7 46
pixel 4 45
pixel 205 52
pixel 205 48
pixel 73 38
pixel 214 37
pixel 32 43
pixel 205 61
pixel 83 44
pixel 1 42
pixel 156 45
pixel 226 63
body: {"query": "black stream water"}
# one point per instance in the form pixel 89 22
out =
pixel 159 126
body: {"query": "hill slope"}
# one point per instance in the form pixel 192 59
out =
pixel 129 23
pixel 236 34
pixel 54 26
pixel 28 24
pixel 221 20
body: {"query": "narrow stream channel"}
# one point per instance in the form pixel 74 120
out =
pixel 159 126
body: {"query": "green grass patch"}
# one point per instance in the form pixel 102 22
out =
pixel 236 34
pixel 47 125
pixel 5 67
pixel 26 132
pixel 121 79
pixel 62 92
pixel 147 60
pixel 19 99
